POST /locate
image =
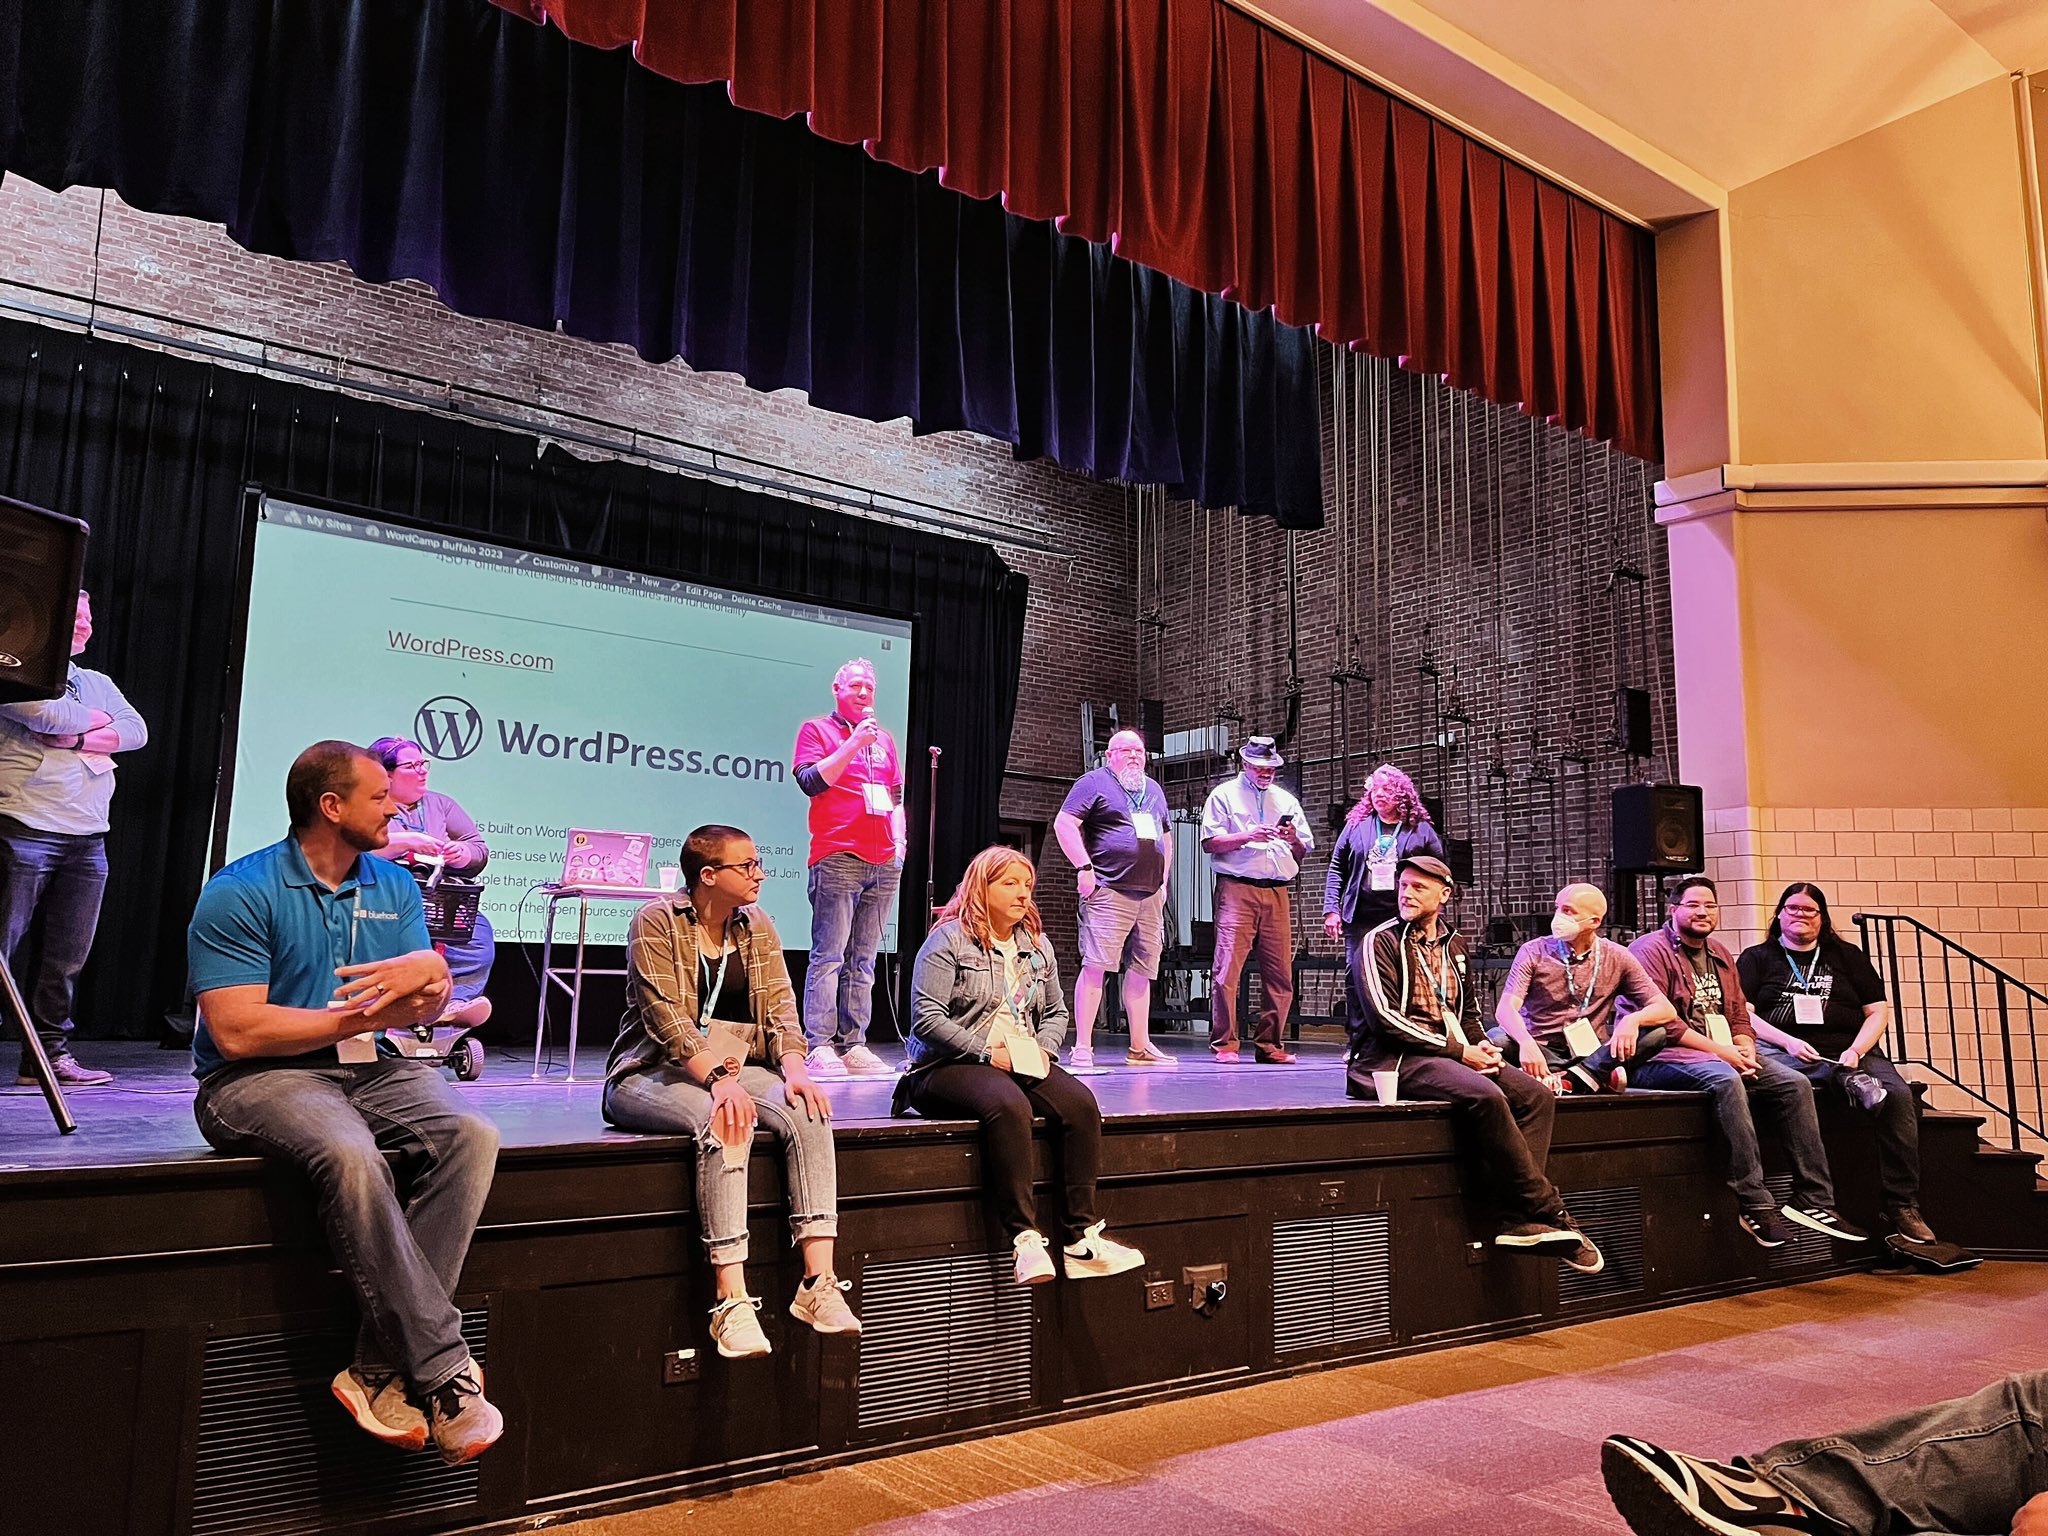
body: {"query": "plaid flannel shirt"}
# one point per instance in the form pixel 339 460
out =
pixel 662 969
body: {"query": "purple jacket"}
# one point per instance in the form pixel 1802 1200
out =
pixel 1664 958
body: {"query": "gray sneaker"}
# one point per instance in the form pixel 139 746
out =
pixel 377 1401
pixel 461 1419
pixel 69 1071
pixel 865 1063
pixel 823 1305
pixel 735 1328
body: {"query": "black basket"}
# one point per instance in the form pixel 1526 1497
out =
pixel 451 909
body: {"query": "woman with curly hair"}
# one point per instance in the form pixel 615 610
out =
pixel 1388 824
pixel 987 1017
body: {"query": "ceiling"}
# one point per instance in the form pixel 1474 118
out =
pixel 1706 95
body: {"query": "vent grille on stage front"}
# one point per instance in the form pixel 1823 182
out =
pixel 942 1335
pixel 1332 1281
pixel 277 1455
pixel 1807 1246
pixel 1613 1218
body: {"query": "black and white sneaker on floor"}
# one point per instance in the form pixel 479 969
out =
pixel 1818 1218
pixel 1764 1227
pixel 1668 1493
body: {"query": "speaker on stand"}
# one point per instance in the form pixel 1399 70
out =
pixel 1659 829
pixel 42 562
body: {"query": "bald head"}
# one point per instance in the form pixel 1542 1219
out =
pixel 1583 900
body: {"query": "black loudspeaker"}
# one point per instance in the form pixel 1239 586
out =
pixel 1152 725
pixel 1658 828
pixel 1458 854
pixel 1632 721
pixel 42 561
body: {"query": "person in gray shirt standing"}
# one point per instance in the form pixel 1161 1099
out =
pixel 56 784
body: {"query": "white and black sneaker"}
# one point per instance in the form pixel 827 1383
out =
pixel 1582 1077
pixel 1096 1255
pixel 1818 1218
pixel 1764 1227
pixel 1537 1235
pixel 1667 1493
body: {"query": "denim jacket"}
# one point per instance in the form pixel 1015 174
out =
pixel 959 989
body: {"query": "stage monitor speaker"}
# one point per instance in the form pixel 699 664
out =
pixel 1152 725
pixel 1632 721
pixel 1458 854
pixel 42 561
pixel 1658 828
pixel 1435 806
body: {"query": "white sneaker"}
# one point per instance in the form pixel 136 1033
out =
pixel 824 1062
pixel 736 1330
pixel 824 1306
pixel 1081 1056
pixel 1034 1264
pixel 865 1062
pixel 1096 1255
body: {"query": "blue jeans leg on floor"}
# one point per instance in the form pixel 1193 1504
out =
pixel 63 876
pixel 851 900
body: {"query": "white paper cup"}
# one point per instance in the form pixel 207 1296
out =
pixel 1388 1085
pixel 671 876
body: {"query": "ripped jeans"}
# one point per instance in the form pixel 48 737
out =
pixel 664 1100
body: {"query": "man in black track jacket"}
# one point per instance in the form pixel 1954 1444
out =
pixel 1420 1018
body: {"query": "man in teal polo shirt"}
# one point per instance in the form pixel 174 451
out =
pixel 301 954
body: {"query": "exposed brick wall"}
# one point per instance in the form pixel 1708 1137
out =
pixel 1498 566
pixel 1529 640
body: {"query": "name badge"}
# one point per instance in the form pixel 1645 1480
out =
pixel 1580 1038
pixel 357 1049
pixel 1146 825
pixel 1809 1009
pixel 1381 873
pixel 1718 1030
pixel 877 798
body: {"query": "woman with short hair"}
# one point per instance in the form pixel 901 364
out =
pixel 987 1019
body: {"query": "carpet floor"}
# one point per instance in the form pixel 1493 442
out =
pixel 1501 1438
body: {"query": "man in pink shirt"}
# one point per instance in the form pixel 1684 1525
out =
pixel 848 764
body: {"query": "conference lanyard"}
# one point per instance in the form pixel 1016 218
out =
pixel 1582 1005
pixel 1020 991
pixel 1446 989
pixel 1807 981
pixel 709 1006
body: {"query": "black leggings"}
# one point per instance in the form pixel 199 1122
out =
pixel 1004 1104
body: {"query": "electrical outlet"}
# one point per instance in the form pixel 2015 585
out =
pixel 1198 1276
pixel 1158 1295
pixel 679 1366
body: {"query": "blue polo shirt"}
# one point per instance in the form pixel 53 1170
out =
pixel 265 920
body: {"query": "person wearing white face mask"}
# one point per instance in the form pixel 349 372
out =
pixel 1558 1005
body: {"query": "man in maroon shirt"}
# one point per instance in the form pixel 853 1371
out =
pixel 848 764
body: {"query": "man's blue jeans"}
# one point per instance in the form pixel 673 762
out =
pixel 1963 1466
pixel 850 904
pixel 1791 1104
pixel 62 875
pixel 402 1253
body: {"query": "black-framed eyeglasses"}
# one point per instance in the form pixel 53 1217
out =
pixel 746 866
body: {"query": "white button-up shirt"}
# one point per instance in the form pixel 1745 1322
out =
pixel 1234 807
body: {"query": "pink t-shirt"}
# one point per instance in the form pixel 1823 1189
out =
pixel 840 819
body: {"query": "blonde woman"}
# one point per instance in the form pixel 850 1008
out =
pixel 987 1018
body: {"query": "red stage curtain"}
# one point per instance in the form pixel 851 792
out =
pixel 1211 148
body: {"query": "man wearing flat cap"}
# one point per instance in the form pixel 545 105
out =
pixel 1418 1030
pixel 1255 834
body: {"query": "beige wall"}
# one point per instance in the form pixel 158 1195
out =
pixel 1881 296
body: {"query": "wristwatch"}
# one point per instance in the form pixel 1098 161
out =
pixel 722 1070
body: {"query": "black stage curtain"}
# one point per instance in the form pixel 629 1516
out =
pixel 154 452
pixel 531 179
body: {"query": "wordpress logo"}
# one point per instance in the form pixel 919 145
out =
pixel 448 727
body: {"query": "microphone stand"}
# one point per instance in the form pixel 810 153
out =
pixel 931 841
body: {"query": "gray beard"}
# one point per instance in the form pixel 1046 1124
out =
pixel 1132 779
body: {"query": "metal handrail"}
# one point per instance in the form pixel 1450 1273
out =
pixel 1960 1000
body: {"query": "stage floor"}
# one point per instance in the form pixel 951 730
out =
pixel 145 1115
